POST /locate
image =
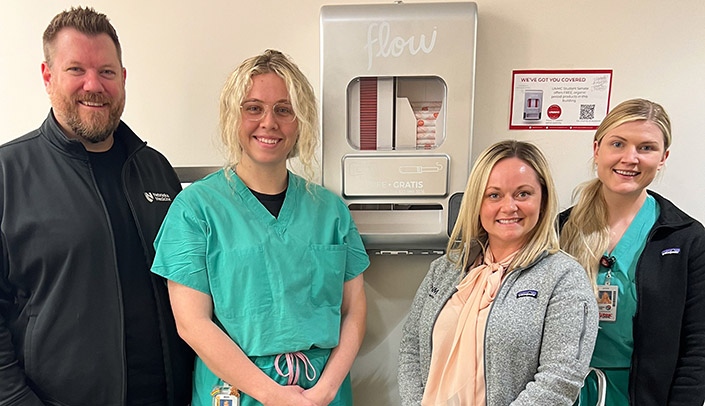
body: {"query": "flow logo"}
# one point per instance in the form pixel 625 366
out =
pixel 671 251
pixel 382 44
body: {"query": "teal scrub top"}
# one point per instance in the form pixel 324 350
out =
pixel 276 283
pixel 615 342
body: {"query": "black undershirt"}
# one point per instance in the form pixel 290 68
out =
pixel 146 381
pixel 273 203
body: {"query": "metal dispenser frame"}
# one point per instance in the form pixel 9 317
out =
pixel 403 187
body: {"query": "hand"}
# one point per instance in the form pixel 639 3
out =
pixel 291 395
pixel 319 395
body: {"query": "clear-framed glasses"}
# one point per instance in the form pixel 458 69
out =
pixel 255 111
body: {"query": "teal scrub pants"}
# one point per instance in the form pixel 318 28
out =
pixel 318 358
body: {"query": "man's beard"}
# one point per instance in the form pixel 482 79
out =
pixel 93 127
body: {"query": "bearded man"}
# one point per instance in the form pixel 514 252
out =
pixel 82 320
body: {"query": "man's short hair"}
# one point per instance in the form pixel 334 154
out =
pixel 85 20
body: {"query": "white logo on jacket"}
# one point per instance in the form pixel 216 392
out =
pixel 157 197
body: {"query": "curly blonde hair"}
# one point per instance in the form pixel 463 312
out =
pixel 303 100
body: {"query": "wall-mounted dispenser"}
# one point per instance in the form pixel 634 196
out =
pixel 533 102
pixel 397 82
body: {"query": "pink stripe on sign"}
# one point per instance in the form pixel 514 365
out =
pixel 368 113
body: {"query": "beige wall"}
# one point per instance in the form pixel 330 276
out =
pixel 178 54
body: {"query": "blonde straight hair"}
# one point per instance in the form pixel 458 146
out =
pixel 468 227
pixel 586 233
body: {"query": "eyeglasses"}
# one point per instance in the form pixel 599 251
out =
pixel 255 111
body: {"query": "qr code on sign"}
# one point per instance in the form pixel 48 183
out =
pixel 587 111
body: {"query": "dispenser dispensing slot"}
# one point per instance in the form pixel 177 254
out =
pixel 392 218
pixel 406 225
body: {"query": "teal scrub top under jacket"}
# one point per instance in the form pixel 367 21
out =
pixel 276 283
pixel 615 342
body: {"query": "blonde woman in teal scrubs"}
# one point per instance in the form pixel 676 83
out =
pixel 647 260
pixel 264 267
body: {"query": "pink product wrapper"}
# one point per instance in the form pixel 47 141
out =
pixel 425 136
pixel 430 130
pixel 426 142
pixel 426 105
pixel 426 123
pixel 426 115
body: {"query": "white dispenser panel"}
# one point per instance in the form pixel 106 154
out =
pixel 366 176
pixel 397 84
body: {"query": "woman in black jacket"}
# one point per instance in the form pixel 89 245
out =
pixel 647 260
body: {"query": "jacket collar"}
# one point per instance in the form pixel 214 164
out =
pixel 51 130
pixel 670 215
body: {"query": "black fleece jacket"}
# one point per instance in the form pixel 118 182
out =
pixel 61 328
pixel 668 362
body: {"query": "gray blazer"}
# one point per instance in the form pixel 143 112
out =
pixel 539 336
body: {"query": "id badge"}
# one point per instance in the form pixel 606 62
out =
pixel 225 395
pixel 607 302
